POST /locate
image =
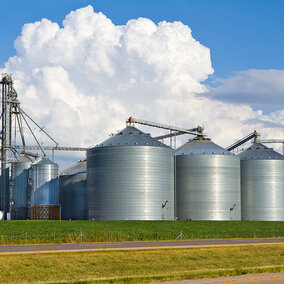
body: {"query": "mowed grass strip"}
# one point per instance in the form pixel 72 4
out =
pixel 23 232
pixel 140 265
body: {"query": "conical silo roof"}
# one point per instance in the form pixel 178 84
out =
pixel 203 146
pixel 131 136
pixel 25 159
pixel 78 168
pixel 44 161
pixel 259 151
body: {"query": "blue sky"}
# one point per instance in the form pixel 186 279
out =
pixel 241 35
pixel 100 78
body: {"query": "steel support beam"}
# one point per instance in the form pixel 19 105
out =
pixel 52 148
pixel 9 102
pixel 195 131
pixel 173 134
pixel 271 140
pixel 242 141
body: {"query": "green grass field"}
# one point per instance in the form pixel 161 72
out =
pixel 140 265
pixel 17 232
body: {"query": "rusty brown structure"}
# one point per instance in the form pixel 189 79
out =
pixel 45 212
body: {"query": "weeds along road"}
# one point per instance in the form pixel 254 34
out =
pixel 25 249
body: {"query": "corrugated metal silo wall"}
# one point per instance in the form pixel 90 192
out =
pixel 130 183
pixel 208 187
pixel 262 190
pixel 45 184
pixel 20 175
pixel 5 192
pixel 73 196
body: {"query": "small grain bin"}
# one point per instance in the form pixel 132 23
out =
pixel 73 192
pixel 44 190
pixel 20 193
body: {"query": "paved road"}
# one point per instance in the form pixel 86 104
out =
pixel 134 245
pixel 263 278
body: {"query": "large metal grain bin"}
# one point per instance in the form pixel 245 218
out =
pixel 262 184
pixel 20 194
pixel 130 176
pixel 207 182
pixel 44 190
pixel 73 192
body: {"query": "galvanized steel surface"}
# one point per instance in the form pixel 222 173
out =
pixel 262 184
pixel 79 168
pixel 4 190
pixel 20 176
pixel 202 147
pixel 130 182
pixel 131 136
pixel 44 183
pixel 73 192
pixel 259 151
pixel 207 185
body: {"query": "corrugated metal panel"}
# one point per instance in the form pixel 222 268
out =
pixel 78 168
pixel 202 147
pixel 44 161
pixel 5 192
pixel 262 184
pixel 208 185
pixel 44 183
pixel 131 136
pixel 20 176
pixel 259 151
pixel 73 192
pixel 131 182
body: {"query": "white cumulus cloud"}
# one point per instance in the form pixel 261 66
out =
pixel 259 88
pixel 82 80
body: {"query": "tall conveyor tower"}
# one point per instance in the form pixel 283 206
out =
pixel 9 105
pixel 16 122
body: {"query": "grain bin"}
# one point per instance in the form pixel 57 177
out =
pixel 5 192
pixel 20 194
pixel 44 190
pixel 262 184
pixel 130 176
pixel 207 182
pixel 73 192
